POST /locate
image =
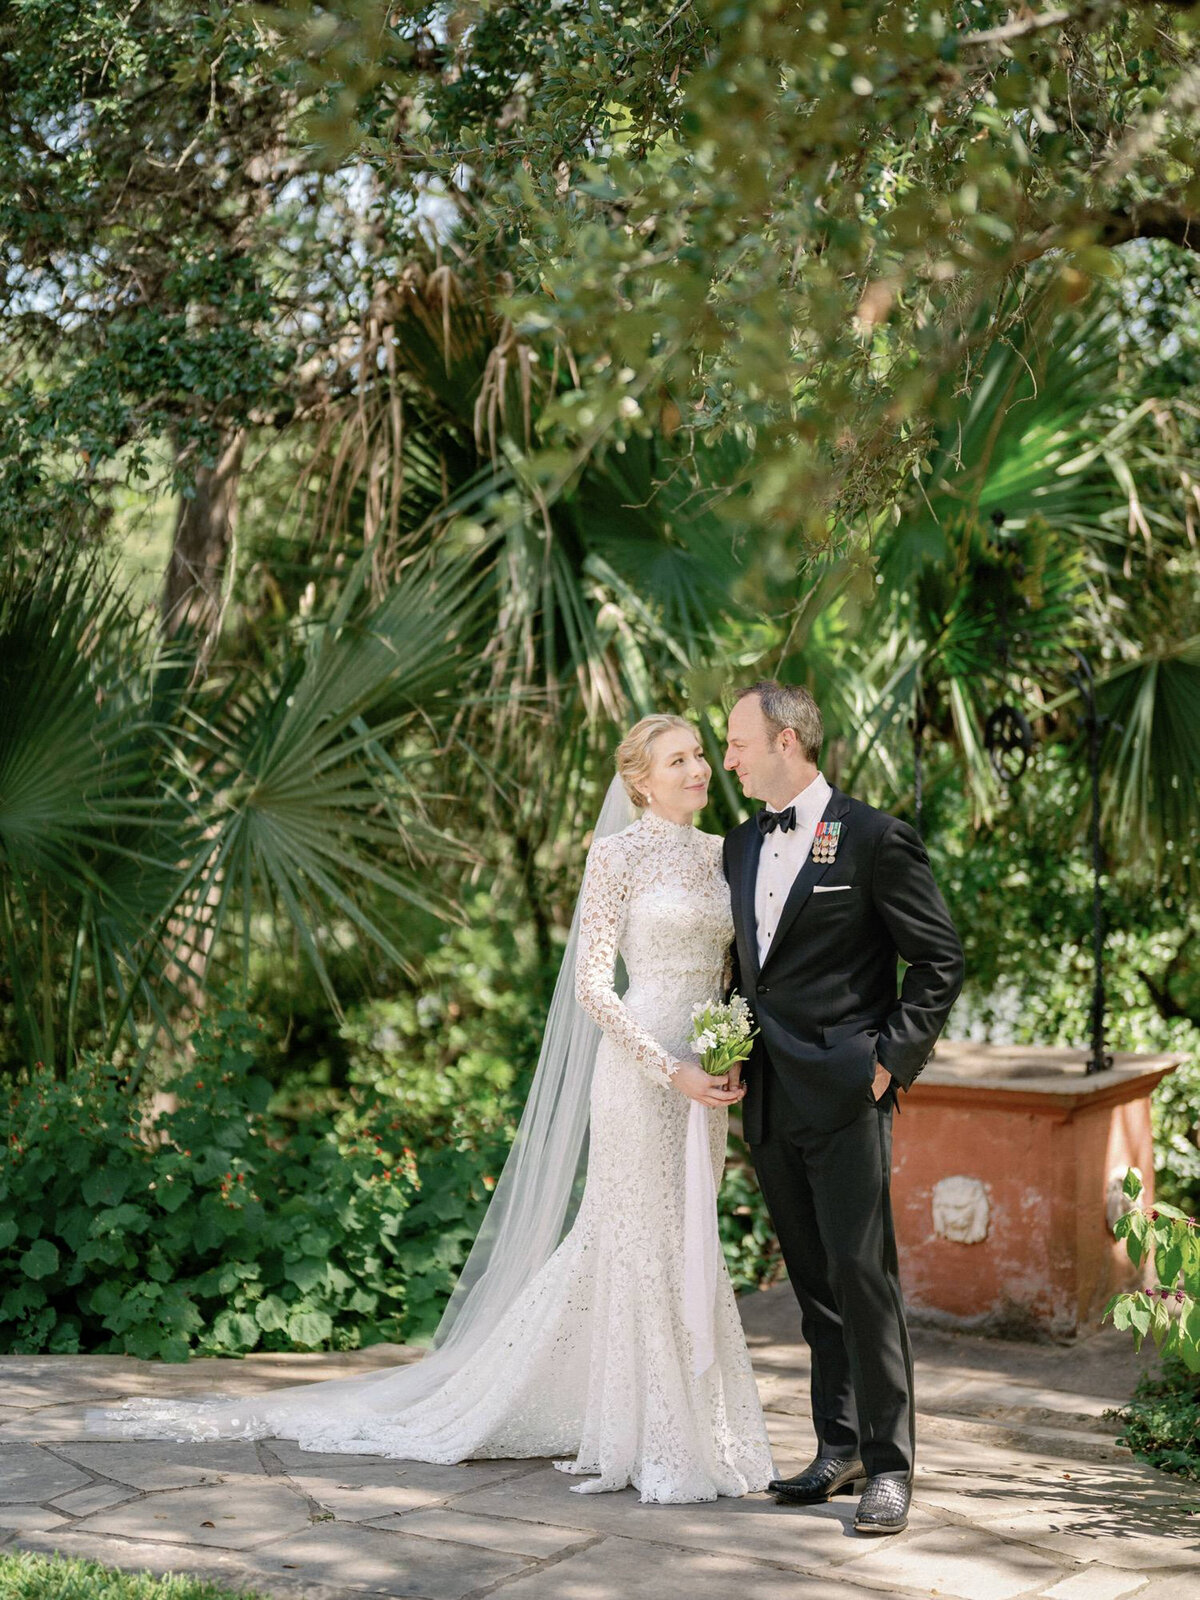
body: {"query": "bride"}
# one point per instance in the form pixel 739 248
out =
pixel 617 1345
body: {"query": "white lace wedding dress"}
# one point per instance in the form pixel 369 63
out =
pixel 597 1359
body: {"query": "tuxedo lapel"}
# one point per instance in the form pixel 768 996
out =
pixel 747 921
pixel 804 882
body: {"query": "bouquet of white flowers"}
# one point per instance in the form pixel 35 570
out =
pixel 721 1034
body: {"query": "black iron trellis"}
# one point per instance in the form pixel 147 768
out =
pixel 1082 678
pixel 1007 735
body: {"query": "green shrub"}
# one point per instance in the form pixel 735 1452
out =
pixel 456 1057
pixel 747 1235
pixel 222 1229
pixel 1162 1421
pixel 272 1211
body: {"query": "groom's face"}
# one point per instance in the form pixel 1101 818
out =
pixel 752 749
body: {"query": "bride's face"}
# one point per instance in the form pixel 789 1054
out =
pixel 677 783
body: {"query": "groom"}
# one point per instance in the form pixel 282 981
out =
pixel 827 893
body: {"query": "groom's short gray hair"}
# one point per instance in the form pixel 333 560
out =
pixel 787 705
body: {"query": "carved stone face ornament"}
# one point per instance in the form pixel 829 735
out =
pixel 961 1210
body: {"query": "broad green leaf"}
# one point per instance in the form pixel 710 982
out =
pixel 40 1260
pixel 309 1328
pixel 1140 1313
pixel 306 1273
pixel 235 1330
pixel 271 1313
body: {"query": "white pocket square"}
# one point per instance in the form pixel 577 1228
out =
pixel 831 888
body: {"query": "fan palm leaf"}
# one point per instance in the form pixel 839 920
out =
pixel 1053 427
pixel 1151 755
pixel 146 827
pixel 88 837
pixel 308 794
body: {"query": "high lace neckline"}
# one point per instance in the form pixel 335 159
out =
pixel 651 822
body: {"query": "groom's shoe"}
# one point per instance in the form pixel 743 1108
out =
pixel 884 1506
pixel 820 1480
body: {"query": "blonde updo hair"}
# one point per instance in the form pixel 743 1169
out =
pixel 633 752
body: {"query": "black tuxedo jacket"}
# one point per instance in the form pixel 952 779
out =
pixel 826 1001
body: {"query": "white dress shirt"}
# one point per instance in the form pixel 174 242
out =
pixel 782 856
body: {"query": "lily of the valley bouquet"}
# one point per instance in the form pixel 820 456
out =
pixel 721 1034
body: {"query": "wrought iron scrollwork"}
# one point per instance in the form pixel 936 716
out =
pixel 1082 678
pixel 1008 739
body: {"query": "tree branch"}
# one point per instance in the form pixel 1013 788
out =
pixel 1013 30
pixel 1165 1002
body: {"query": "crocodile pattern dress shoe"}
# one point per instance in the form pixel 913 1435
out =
pixel 820 1480
pixel 884 1506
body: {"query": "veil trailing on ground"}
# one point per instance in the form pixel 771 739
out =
pixel 526 1220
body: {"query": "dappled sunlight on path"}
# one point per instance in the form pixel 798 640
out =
pixel 1021 1492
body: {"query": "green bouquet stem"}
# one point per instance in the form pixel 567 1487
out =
pixel 728 1025
pixel 718 1062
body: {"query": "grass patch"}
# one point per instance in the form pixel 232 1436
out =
pixel 1162 1421
pixel 33 1577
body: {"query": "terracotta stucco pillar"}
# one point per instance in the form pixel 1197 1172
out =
pixel 1007 1164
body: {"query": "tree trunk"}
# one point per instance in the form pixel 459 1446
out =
pixel 205 526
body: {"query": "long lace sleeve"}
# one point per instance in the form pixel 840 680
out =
pixel 601 915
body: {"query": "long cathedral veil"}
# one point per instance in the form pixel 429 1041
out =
pixel 527 1217
pixel 532 1201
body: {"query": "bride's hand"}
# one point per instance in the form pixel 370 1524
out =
pixel 691 1079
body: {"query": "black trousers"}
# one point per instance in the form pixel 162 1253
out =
pixel 828 1195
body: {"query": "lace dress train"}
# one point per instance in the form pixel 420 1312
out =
pixel 596 1361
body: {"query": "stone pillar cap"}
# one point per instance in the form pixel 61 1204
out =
pixel 1025 1070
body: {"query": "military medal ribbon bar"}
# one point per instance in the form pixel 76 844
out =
pixel 825 841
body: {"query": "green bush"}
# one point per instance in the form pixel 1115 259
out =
pixel 747 1235
pixel 221 1228
pixel 274 1208
pixel 1162 1421
pixel 456 1056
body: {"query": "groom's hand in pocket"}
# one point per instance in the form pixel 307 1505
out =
pixel 882 1083
pixel 691 1079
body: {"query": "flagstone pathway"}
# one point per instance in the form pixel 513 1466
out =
pixel 1021 1492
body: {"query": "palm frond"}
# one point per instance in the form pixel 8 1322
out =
pixel 1151 756
pixel 309 805
pixel 89 833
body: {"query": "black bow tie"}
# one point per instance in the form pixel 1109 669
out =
pixel 768 821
